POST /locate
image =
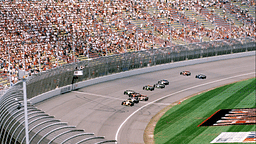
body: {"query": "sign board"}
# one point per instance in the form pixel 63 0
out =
pixel 22 74
pixel 65 89
pixel 235 137
pixel 78 73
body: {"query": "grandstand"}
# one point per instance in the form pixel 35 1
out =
pixel 48 34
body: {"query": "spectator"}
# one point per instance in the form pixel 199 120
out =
pixel 50 33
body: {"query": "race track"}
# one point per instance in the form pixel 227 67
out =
pixel 98 108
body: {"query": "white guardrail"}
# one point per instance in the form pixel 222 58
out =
pixel 78 85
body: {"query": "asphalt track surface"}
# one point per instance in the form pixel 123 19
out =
pixel 98 108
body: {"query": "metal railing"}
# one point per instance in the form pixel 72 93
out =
pixel 42 127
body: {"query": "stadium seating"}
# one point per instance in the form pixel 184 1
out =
pixel 68 31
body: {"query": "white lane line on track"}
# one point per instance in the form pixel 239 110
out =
pixel 98 95
pixel 116 98
pixel 171 95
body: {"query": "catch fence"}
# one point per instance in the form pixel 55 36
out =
pixel 97 67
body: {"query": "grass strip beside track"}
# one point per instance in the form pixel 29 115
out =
pixel 179 124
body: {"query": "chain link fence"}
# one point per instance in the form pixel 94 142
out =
pixel 92 68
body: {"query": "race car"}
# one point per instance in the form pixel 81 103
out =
pixel 135 99
pixel 134 94
pixel 165 82
pixel 201 76
pixel 128 102
pixel 139 96
pixel 185 73
pixel 128 92
pixel 142 98
pixel 159 85
pixel 148 87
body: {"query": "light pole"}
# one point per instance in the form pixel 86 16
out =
pixel 25 110
pixel 214 29
pixel 39 60
pixel 57 52
pixel 153 37
pixel 245 29
pixel 185 42
pixel 230 29
pixel 25 97
pixel 184 34
pixel 200 38
pixel 87 51
pixel 106 48
pixel 170 34
pixel 10 77
pixel 230 35
pixel 73 41
pixel 215 37
pixel 137 39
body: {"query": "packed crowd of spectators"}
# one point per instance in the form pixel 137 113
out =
pixel 40 35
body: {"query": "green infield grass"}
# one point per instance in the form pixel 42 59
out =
pixel 179 125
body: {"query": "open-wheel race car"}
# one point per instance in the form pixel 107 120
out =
pixel 135 99
pixel 165 82
pixel 185 73
pixel 148 87
pixel 143 98
pixel 128 102
pixel 139 96
pixel 159 85
pixel 128 92
pixel 200 76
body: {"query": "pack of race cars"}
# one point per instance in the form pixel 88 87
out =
pixel 160 84
pixel 135 97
